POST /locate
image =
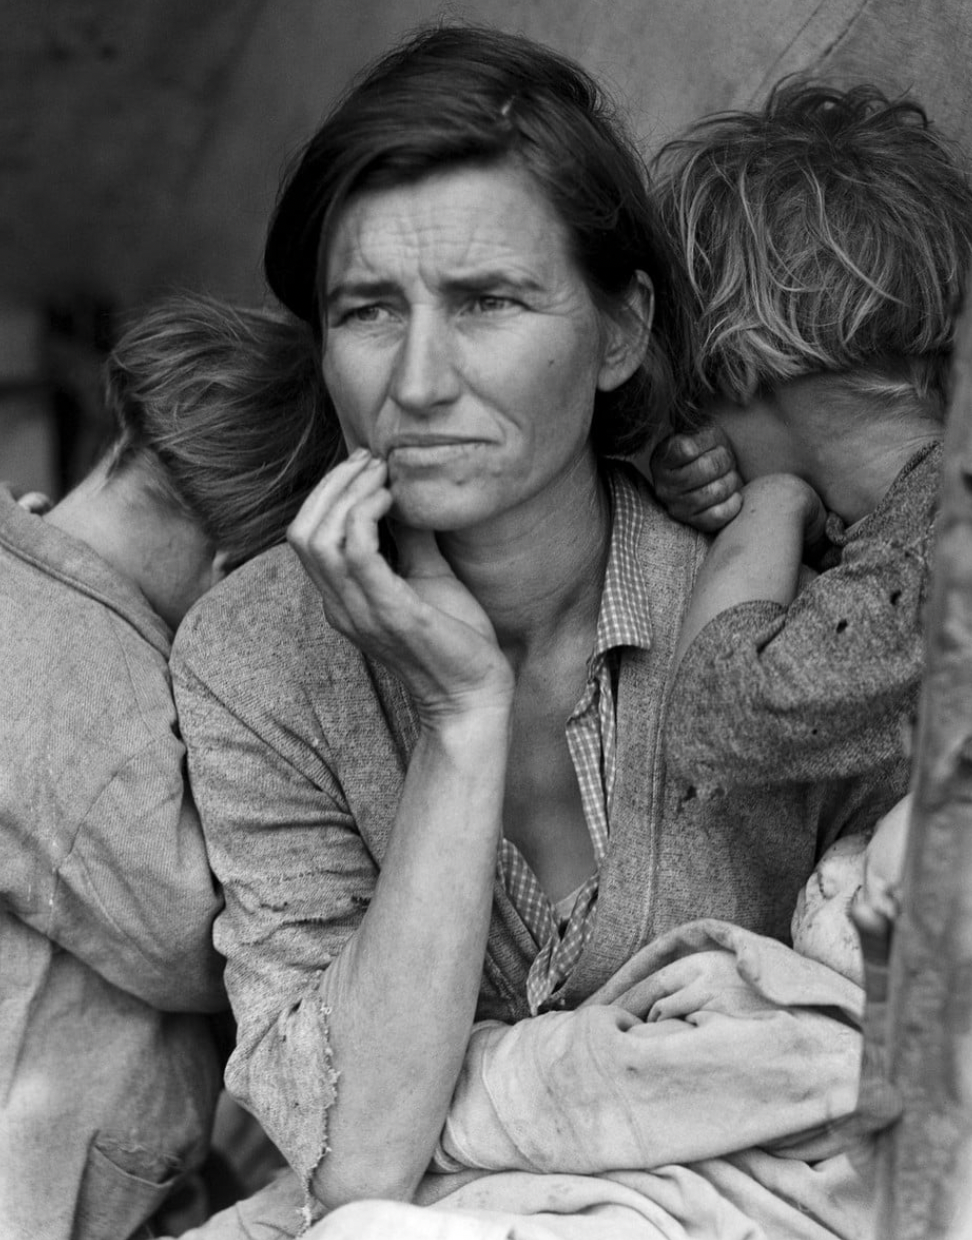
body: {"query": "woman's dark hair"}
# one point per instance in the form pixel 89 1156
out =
pixel 457 95
pixel 221 407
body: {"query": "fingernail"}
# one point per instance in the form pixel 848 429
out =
pixel 358 454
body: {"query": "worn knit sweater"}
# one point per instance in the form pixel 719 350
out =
pixel 827 687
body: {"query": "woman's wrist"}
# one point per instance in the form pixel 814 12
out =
pixel 477 719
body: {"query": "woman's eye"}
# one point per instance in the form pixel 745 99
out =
pixel 490 303
pixel 371 313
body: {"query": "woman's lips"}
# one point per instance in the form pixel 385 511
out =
pixel 432 451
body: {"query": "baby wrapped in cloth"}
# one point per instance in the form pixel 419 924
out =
pixel 705 1092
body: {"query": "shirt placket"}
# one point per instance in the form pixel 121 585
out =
pixel 586 736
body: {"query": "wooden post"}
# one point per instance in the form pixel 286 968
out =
pixel 925 1160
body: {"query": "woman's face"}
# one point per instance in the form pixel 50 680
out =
pixel 462 344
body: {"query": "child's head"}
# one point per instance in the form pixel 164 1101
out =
pixel 219 408
pixel 829 231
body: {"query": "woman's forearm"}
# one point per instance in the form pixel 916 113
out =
pixel 403 993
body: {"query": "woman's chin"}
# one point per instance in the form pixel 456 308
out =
pixel 428 506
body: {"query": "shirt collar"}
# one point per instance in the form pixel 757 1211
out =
pixel 56 554
pixel 624 618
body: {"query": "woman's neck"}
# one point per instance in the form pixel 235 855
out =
pixel 538 575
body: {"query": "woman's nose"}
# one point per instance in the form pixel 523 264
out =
pixel 425 374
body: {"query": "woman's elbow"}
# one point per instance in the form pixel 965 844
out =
pixel 337 1183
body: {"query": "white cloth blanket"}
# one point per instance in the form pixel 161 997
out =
pixel 702 1094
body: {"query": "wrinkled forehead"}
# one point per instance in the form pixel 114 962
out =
pixel 379 181
pixel 456 223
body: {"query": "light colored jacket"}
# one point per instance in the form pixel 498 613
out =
pixel 108 1070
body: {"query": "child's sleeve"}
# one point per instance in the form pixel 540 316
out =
pixel 823 688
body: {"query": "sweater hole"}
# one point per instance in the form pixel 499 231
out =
pixel 841 625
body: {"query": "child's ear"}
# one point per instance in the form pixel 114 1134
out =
pixel 220 562
pixel 628 334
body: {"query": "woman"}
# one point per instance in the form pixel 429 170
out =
pixel 108 976
pixel 439 799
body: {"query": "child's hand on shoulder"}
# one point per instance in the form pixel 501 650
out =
pixel 696 480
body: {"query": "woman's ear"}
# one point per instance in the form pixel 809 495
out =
pixel 628 333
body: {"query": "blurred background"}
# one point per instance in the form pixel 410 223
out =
pixel 142 142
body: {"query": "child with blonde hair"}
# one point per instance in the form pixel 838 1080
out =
pixel 827 239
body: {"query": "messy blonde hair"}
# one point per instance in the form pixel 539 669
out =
pixel 222 407
pixel 829 231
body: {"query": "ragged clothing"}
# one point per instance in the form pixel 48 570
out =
pixel 705 1092
pixel 108 1069
pixel 298 748
pixel 768 696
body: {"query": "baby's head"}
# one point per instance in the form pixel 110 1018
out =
pixel 828 232
pixel 821 928
pixel 866 866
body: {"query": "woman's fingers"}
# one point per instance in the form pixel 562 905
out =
pixel 335 535
pixel 325 510
pixel 421 621
pixel 418 552
pixel 346 504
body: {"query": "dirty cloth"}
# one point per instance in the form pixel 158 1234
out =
pixel 298 748
pixel 108 1070
pixel 704 1093
pixel 768 695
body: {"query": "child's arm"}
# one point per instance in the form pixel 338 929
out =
pixel 770 693
pixel 758 556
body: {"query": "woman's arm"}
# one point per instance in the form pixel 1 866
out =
pixel 385 1000
pixel 403 992
pixel 705 1056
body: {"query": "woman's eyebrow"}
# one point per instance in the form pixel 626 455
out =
pixel 452 286
pixel 356 289
pixel 482 281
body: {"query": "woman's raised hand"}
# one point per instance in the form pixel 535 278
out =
pixel 423 623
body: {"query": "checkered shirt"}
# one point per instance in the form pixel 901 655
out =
pixel 622 621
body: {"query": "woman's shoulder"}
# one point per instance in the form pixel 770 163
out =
pixel 258 647
pixel 662 543
pixel 266 613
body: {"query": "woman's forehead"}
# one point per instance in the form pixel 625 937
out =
pixel 459 223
